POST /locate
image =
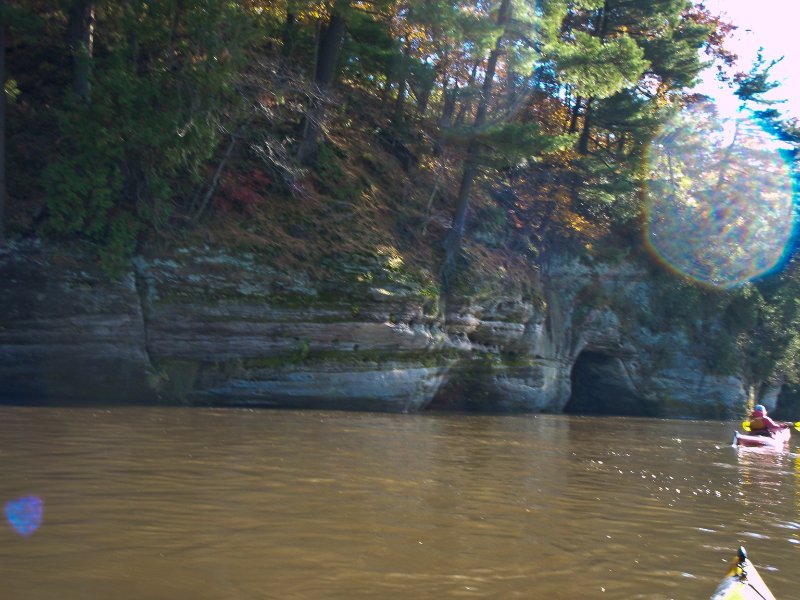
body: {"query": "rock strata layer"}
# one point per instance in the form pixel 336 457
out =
pixel 204 326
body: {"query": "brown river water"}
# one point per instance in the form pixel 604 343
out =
pixel 195 504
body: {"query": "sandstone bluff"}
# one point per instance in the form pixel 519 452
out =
pixel 200 325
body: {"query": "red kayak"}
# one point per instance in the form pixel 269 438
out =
pixel 777 440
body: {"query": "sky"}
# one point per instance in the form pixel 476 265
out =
pixel 771 24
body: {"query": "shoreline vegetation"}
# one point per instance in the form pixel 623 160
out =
pixel 400 180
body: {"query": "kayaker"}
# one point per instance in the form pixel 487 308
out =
pixel 761 424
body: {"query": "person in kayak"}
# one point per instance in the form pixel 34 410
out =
pixel 761 424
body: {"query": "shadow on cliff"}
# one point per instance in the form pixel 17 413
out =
pixel 602 386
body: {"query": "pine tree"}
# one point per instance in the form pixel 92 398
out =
pixel 329 45
pixel 519 26
pixel 341 17
pixel 628 64
pixel 113 170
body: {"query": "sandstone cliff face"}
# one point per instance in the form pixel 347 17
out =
pixel 620 365
pixel 67 332
pixel 204 326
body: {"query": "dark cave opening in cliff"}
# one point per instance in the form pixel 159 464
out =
pixel 601 386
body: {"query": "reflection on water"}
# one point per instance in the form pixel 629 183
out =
pixel 762 473
pixel 797 483
pixel 234 504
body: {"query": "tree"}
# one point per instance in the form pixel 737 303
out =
pixel 114 172
pixel 773 347
pixel 331 38
pixel 598 56
pixel 289 35
pixel 19 25
pixel 623 68
pixel 523 32
pixel 2 120
pixel 453 242
pixel 80 40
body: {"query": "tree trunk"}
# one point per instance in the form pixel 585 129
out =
pixel 445 119
pixel 512 90
pixel 576 110
pixel 467 104
pixel 429 82
pixel 453 242
pixel 171 59
pixel 330 46
pixel 583 141
pixel 425 90
pixel 449 107
pixel 402 85
pixel 424 96
pixel 80 34
pixel 133 40
pixel 328 50
pixel 289 30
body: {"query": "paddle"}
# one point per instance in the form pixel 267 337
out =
pixel 746 425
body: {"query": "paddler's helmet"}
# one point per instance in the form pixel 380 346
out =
pixel 759 410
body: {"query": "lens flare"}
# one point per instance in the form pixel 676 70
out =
pixel 720 206
pixel 24 514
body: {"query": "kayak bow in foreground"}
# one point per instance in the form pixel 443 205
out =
pixel 742 582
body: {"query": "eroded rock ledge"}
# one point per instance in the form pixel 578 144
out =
pixel 204 326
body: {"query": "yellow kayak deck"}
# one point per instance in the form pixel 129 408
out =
pixel 742 582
